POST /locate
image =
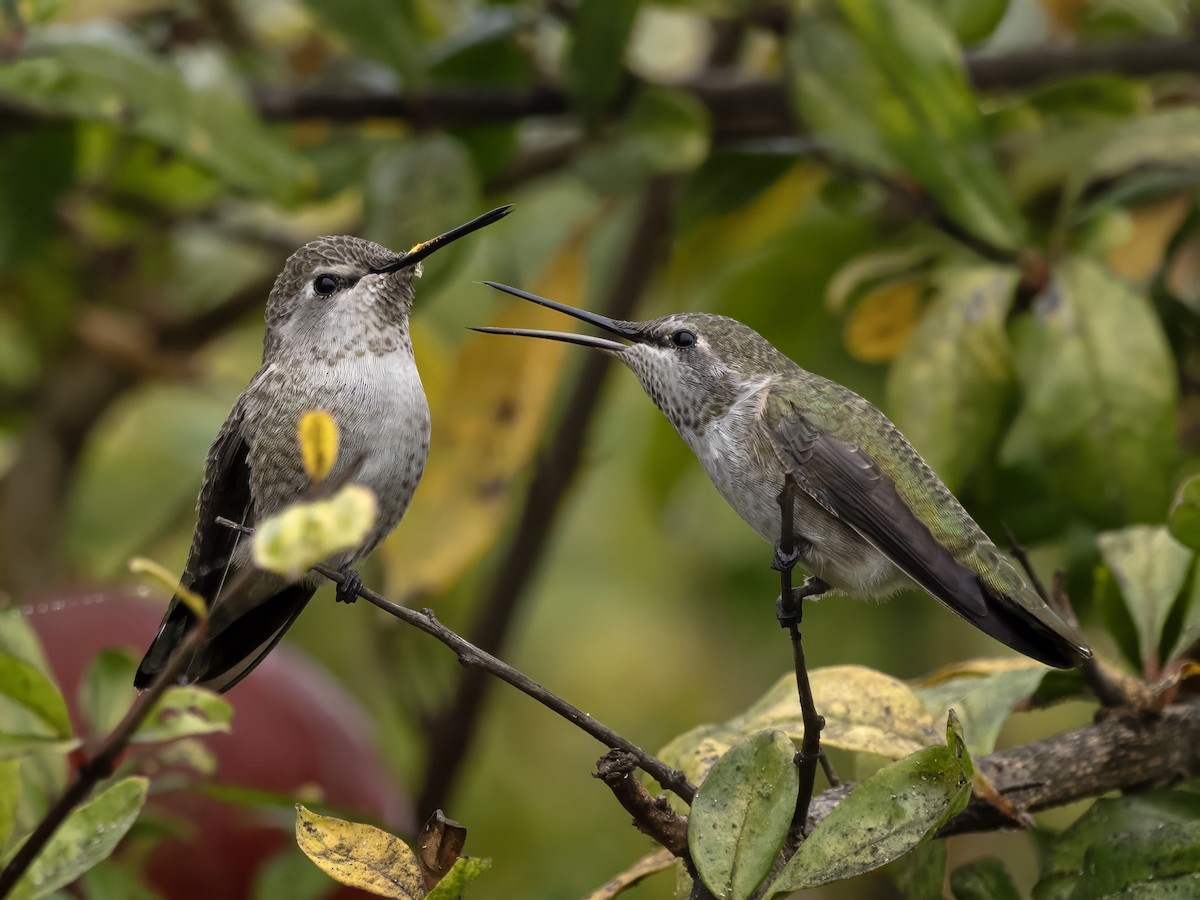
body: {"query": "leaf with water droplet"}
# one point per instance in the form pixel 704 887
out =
pixel 88 835
pixel 742 812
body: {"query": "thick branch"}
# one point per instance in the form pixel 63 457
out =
pixel 1121 753
pixel 450 733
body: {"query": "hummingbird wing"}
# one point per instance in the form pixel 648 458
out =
pixel 849 483
pixel 235 650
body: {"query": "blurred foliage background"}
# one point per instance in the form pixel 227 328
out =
pixel 982 216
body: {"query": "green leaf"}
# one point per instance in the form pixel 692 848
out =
pixel 360 856
pixel 1184 516
pixel 951 386
pixel 454 884
pixel 1189 628
pixel 972 20
pixel 289 875
pixel 883 818
pixel 17 638
pixel 25 684
pixel 185 711
pixel 1099 391
pixel 417 189
pixel 112 880
pixel 14 746
pixel 920 874
pixel 107 691
pixel 10 796
pixel 388 32
pixel 742 813
pixel 665 131
pixel 90 833
pixel 1156 140
pixel 1161 864
pixel 982 697
pixel 596 59
pixel 1112 823
pixel 901 66
pixel 1150 566
pixel 983 879
pixel 103 75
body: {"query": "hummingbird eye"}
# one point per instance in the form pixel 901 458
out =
pixel 683 338
pixel 325 285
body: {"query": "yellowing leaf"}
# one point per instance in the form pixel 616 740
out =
pixel 487 425
pixel 318 436
pixel 880 324
pixel 307 533
pixel 139 565
pixel 360 856
pixel 1153 226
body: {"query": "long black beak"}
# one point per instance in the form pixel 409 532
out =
pixel 424 249
pixel 612 326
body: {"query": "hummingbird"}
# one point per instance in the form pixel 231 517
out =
pixel 337 339
pixel 870 516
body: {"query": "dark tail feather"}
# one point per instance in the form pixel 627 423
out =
pixel 232 654
pixel 1012 623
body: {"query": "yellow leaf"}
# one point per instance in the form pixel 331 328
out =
pixel 864 710
pixel 360 856
pixel 1140 255
pixel 139 565
pixel 882 320
pixel 488 422
pixel 318 436
pixel 291 541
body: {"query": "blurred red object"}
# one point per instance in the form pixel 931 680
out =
pixel 294 728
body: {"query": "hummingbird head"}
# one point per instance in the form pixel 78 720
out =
pixel 694 366
pixel 342 295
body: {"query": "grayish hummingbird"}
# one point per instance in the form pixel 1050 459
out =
pixel 337 339
pixel 870 516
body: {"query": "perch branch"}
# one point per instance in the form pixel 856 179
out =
pixel 791 610
pixel 480 660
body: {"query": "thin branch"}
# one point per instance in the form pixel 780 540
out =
pixel 451 731
pixel 653 816
pixel 102 764
pixel 479 660
pixel 791 610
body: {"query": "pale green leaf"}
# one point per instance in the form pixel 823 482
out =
pixel 1184 516
pixel 884 817
pixel 742 813
pixel 14 746
pixel 1150 567
pixel 1099 391
pixel 360 856
pixel 950 388
pixel 90 833
pixel 304 534
pixel 107 691
pixel 982 695
pixel 454 884
pixel 596 59
pixel 185 711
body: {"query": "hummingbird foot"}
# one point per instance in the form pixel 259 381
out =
pixel 789 611
pixel 347 591
pixel 786 560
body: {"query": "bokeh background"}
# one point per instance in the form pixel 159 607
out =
pixel 982 216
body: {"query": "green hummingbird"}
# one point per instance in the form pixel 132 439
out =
pixel 870 516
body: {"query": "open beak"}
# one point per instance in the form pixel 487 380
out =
pixel 612 326
pixel 425 248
